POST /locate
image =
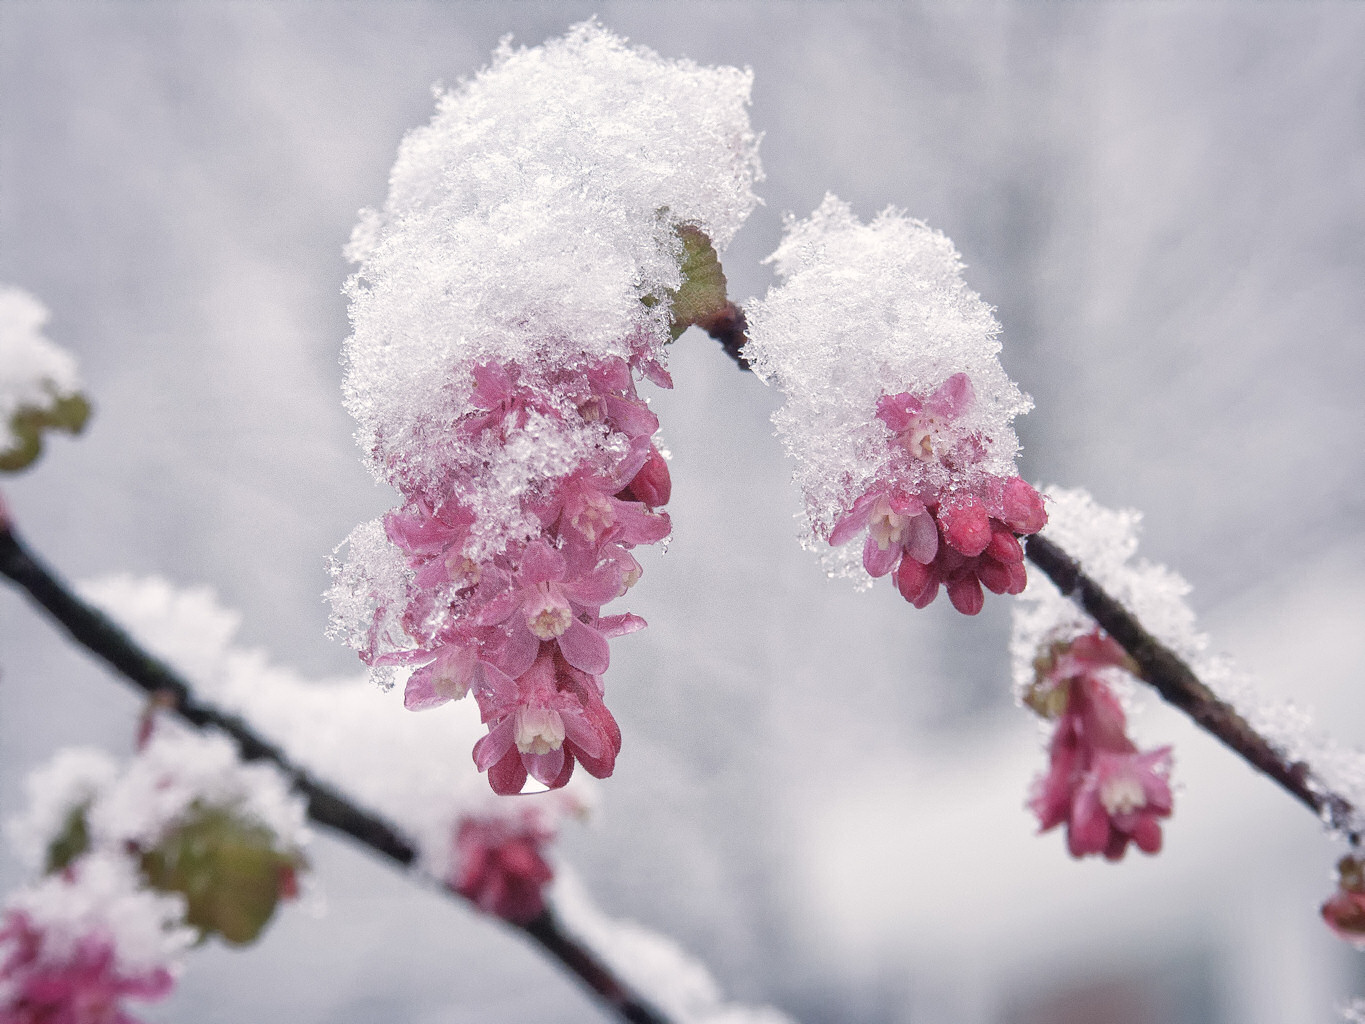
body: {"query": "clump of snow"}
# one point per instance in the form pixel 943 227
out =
pixel 676 982
pixel 104 896
pixel 863 311
pixel 179 768
pixel 33 370
pixel 414 770
pixel 525 224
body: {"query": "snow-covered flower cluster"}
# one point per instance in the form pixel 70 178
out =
pixel 186 812
pixel 77 944
pixel 39 385
pixel 897 411
pixel 545 236
pixel 139 862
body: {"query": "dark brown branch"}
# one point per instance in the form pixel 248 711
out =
pixel 1178 685
pixel 97 633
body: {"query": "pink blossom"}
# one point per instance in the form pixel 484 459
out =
pixel 1120 800
pixel 45 982
pixel 552 717
pixel 551 599
pixel 1098 783
pixel 963 537
pixel 500 866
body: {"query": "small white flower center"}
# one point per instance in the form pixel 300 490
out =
pixel 547 614
pixel 539 730
pixel 1122 794
pixel 885 526
pixel 593 517
pixel 921 437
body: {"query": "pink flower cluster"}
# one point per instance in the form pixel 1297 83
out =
pixel 500 865
pixel 1106 791
pixel 44 980
pixel 522 630
pixel 962 536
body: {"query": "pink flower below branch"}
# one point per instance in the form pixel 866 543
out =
pixel 1098 784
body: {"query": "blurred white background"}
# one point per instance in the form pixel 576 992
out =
pixel 821 792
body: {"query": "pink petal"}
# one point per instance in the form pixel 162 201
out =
pixel 540 563
pixel 581 733
pixel 544 768
pixel 619 625
pixel 855 519
pixel 966 526
pixel 952 398
pixel 491 748
pixel 921 541
pixel 1023 507
pixel 878 560
pixel 419 694
pixel 965 593
pixel 585 649
pixel 518 652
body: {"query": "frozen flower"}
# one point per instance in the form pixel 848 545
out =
pixel 897 409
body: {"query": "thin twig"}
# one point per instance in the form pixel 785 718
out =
pixel 328 807
pixel 1178 685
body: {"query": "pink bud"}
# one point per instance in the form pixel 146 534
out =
pixel 966 526
pixel 1023 507
pixel 652 484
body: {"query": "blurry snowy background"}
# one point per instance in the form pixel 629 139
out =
pixel 821 792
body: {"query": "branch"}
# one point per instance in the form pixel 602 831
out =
pixel 331 809
pixel 1160 667
pixel 1178 685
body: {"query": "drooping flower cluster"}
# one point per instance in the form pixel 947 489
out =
pixel 544 238
pixel 898 413
pixel 39 385
pixel 80 942
pixel 522 629
pixel 1106 791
